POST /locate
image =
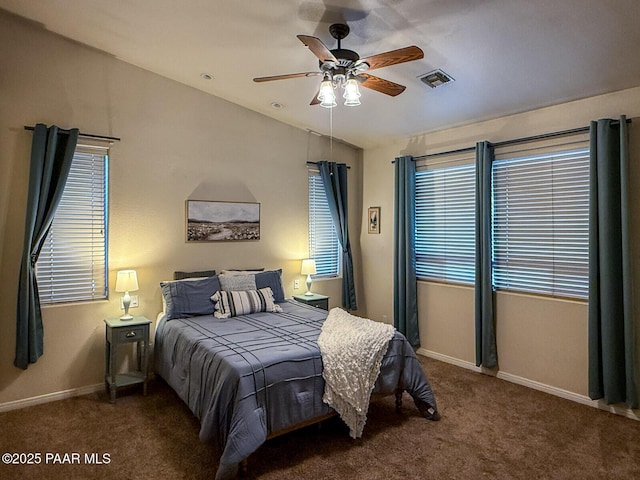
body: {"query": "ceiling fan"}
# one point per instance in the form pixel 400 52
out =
pixel 344 68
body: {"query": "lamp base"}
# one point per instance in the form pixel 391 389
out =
pixel 126 302
pixel 308 292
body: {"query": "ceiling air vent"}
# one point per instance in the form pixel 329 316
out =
pixel 436 78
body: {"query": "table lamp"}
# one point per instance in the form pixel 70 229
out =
pixel 308 269
pixel 126 281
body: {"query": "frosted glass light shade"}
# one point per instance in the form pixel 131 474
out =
pixel 351 93
pixel 326 95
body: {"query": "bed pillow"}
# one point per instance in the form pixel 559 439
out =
pixel 243 302
pixel 237 282
pixel 254 281
pixel 272 279
pixel 189 297
pixel 199 274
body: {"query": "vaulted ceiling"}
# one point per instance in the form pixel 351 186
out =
pixel 506 56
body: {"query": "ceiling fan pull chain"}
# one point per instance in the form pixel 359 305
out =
pixel 331 136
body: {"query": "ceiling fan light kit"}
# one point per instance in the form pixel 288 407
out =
pixel 326 96
pixel 351 92
pixel 342 68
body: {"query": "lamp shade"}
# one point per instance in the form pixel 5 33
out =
pixel 308 267
pixel 127 281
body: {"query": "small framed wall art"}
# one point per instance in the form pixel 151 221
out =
pixel 222 221
pixel 374 220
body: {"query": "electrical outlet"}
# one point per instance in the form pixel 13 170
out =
pixel 134 302
pixel 296 284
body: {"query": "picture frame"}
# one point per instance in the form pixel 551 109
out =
pixel 215 221
pixel 373 220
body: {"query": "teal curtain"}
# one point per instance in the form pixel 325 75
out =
pixel 486 351
pixel 52 151
pixel 405 304
pixel 334 180
pixel 612 354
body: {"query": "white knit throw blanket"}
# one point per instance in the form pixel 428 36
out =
pixel 352 349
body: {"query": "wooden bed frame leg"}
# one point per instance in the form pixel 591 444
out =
pixel 243 468
pixel 399 401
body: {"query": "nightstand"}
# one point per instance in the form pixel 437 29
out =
pixel 315 300
pixel 119 332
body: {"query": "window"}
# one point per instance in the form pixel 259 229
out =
pixel 541 223
pixel 72 265
pixel 445 222
pixel 324 246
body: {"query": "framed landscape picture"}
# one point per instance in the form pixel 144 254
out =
pixel 222 221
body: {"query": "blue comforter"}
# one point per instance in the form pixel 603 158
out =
pixel 247 377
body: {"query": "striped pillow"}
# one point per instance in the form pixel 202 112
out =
pixel 242 302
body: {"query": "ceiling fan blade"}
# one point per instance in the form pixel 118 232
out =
pixel 318 48
pixel 315 100
pixel 381 85
pixel 286 76
pixel 407 54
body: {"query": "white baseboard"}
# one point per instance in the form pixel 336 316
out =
pixel 558 392
pixel 448 359
pixel 50 397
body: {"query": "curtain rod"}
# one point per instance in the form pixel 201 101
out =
pixel 85 135
pixel 316 163
pixel 543 136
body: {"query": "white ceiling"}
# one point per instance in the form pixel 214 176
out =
pixel 506 56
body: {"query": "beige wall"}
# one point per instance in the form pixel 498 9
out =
pixel 177 143
pixel 539 339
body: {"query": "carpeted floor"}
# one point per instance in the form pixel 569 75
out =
pixel 489 429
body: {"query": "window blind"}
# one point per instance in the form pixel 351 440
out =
pixel 445 222
pixel 324 246
pixel 541 223
pixel 72 265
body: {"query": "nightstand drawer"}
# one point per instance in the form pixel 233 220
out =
pixel 131 334
pixel 315 300
pixel 324 304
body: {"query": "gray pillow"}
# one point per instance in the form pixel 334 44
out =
pixel 187 298
pixel 231 283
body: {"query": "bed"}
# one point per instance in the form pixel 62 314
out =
pixel 250 377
